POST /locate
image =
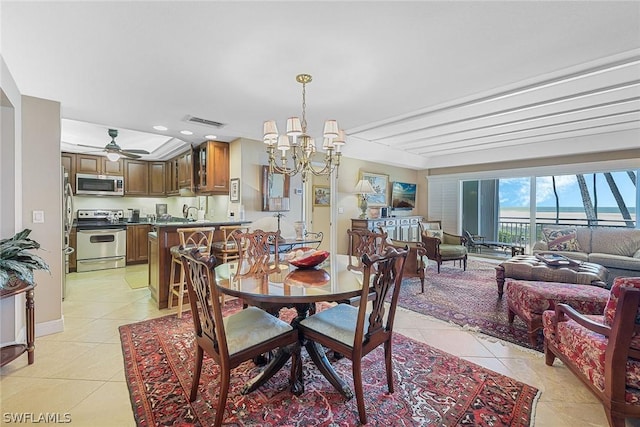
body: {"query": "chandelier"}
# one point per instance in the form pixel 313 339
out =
pixel 300 145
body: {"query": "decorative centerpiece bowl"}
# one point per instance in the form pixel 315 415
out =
pixel 306 257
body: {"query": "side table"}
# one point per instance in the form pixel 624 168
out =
pixel 10 352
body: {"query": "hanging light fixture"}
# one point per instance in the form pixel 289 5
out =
pixel 302 146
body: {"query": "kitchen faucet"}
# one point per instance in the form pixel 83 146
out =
pixel 185 210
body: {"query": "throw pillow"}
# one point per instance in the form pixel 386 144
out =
pixel 561 239
pixel 434 233
pixel 614 296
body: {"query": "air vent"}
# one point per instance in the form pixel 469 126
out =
pixel 205 122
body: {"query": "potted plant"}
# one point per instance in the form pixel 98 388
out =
pixel 16 262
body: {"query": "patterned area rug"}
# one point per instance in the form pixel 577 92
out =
pixel 466 298
pixel 432 388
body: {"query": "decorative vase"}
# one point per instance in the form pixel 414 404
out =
pixel 300 227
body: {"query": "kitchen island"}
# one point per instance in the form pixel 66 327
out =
pixel 163 236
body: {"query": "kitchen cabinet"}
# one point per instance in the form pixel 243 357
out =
pixel 171 173
pixel 68 161
pixel 185 169
pixel 73 243
pixel 157 179
pixel 212 168
pixel 136 178
pixel 137 243
pixel 154 266
pixel 99 165
pixel 406 228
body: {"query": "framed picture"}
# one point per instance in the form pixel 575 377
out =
pixel 380 184
pixel 321 195
pixel 234 190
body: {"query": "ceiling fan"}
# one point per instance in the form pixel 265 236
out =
pixel 113 150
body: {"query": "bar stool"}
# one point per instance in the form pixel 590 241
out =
pixel 196 237
pixel 227 250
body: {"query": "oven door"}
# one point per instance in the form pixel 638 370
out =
pixel 100 249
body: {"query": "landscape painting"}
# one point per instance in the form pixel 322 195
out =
pixel 403 196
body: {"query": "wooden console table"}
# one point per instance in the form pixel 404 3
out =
pixel 11 352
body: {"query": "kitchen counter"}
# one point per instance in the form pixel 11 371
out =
pixel 164 235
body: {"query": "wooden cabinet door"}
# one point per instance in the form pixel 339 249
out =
pixel 137 243
pixel 213 168
pixel 157 179
pixel 112 168
pixel 136 178
pixel 171 173
pixel 73 243
pixel 86 163
pixel 68 161
pixel 185 167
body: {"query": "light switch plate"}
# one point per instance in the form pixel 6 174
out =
pixel 38 217
pixel 340 210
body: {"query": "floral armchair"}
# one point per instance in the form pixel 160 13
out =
pixel 603 351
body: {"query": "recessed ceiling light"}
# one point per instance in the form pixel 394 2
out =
pixel 186 132
pixel 210 136
pixel 160 128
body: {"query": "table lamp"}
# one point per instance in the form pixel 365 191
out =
pixel 364 188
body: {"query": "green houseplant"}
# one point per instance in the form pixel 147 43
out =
pixel 16 260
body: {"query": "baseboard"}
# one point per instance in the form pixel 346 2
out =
pixel 51 327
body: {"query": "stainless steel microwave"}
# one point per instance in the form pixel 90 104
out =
pixel 99 185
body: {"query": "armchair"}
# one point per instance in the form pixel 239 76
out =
pixel 440 246
pixel 602 351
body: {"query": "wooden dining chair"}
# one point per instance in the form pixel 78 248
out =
pixel 363 241
pixel 193 237
pixel 353 331
pixel 258 246
pixel 231 340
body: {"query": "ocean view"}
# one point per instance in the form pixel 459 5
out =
pixel 609 215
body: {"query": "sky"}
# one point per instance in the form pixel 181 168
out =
pixel 514 192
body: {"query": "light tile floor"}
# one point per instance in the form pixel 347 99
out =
pixel 80 371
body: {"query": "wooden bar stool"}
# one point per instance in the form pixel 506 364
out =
pixel 196 237
pixel 227 250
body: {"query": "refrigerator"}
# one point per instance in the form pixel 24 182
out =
pixel 67 224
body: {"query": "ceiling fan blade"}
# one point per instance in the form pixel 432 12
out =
pixel 88 146
pixel 129 155
pixel 136 151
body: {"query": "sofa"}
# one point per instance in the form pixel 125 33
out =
pixel 616 248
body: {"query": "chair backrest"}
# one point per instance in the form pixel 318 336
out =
pixel 382 273
pixel 430 225
pixel 196 237
pixel 363 241
pixel 256 246
pixel 204 299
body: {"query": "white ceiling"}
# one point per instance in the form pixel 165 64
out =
pixel 415 84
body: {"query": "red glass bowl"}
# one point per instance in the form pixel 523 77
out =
pixel 311 261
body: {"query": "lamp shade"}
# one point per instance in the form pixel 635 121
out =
pixel 364 187
pixel 294 127
pixel 269 130
pixel 113 157
pixel 330 129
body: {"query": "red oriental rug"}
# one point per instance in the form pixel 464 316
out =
pixel 432 388
pixel 466 298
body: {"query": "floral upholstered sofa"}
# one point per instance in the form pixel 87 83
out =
pixel 616 248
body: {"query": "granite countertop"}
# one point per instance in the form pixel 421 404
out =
pixel 179 222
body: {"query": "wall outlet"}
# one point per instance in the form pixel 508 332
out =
pixel 38 217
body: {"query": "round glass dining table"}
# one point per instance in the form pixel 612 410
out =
pixel 272 286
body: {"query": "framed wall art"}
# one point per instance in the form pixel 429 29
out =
pixel 321 195
pixel 380 184
pixel 234 190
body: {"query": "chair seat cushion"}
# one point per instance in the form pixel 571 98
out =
pixel 224 246
pixel 452 251
pixel 338 322
pixel 250 327
pixel 175 250
pixel 586 349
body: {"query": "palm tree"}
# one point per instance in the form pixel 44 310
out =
pixel 619 200
pixel 592 215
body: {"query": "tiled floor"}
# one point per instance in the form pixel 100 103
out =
pixel 80 371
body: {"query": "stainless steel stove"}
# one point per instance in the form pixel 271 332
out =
pixel 102 239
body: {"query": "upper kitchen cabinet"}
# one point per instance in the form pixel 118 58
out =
pixel 185 169
pixel 136 178
pixel 212 168
pixel 100 165
pixel 171 174
pixel 156 180
pixel 69 165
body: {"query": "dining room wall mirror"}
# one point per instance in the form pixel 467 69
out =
pixel 275 191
